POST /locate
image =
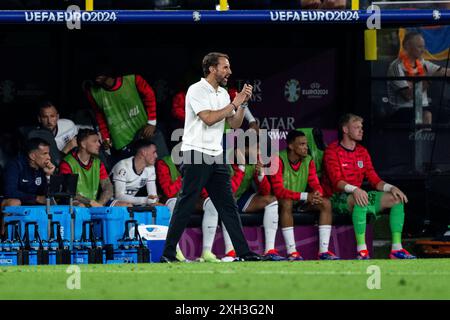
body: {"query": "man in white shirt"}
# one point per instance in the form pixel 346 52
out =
pixel 64 130
pixel 60 134
pixel 411 63
pixel 207 107
pixel 131 174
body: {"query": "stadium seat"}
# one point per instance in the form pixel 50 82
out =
pixel 316 146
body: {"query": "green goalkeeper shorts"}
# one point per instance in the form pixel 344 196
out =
pixel 339 202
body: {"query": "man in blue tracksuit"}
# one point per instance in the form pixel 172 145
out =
pixel 25 177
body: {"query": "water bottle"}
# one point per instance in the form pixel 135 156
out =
pixel 86 244
pixel 34 245
pixel 53 245
pixel 15 245
pixel 120 244
pixel 98 243
pixel 77 245
pixel 134 243
pixel 126 243
pixel 66 244
pixel 7 245
pixel 45 245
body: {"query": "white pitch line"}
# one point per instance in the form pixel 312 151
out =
pixel 318 273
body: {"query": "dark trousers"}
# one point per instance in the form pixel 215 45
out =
pixel 216 179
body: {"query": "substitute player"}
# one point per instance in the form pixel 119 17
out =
pixel 94 189
pixel 296 172
pixel 131 174
pixel 346 165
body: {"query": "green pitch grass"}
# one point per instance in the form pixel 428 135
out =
pixel 416 279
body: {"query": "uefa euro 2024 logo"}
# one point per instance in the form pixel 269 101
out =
pixel 292 90
pixel 196 16
pixel 436 15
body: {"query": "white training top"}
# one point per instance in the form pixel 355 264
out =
pixel 127 182
pixel 197 135
pixel 397 69
pixel 66 131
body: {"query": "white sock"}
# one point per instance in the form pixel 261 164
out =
pixel 288 235
pixel 227 240
pixel 209 224
pixel 361 247
pixel 270 222
pixel 324 237
pixel 396 246
pixel 170 203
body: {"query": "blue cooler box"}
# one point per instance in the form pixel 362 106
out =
pixel 85 256
pixel 110 221
pixel 80 257
pixel 61 214
pixel 38 214
pixel 128 256
pixel 11 258
pixel 155 236
pixel 162 216
pixel 25 214
pixel 59 257
pixel 156 249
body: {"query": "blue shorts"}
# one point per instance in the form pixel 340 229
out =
pixel 244 201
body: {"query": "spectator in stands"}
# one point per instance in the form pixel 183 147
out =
pixel 410 63
pixel 92 175
pixel 346 164
pixel 25 177
pixel 296 172
pixel 251 189
pixel 169 179
pixel 125 108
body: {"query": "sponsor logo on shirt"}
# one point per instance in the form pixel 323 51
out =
pixel 122 173
pixel 134 111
